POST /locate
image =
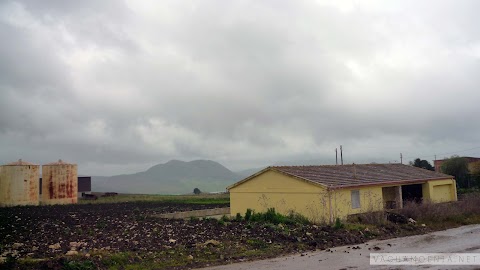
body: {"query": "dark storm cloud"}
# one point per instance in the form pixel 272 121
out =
pixel 128 84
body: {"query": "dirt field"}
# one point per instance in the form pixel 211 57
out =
pixel 116 235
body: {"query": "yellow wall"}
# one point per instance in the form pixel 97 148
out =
pixel 371 199
pixel 284 193
pixel 440 191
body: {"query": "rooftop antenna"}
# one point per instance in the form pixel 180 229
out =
pixel 341 154
pixel 336 156
pixel 401 158
pixel 354 171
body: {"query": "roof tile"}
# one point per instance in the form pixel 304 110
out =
pixel 338 176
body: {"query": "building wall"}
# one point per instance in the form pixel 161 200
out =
pixel 371 199
pixel 282 192
pixel 440 191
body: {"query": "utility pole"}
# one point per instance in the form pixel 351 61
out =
pixel 401 158
pixel 336 156
pixel 341 155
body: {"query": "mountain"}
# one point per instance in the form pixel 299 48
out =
pixel 248 172
pixel 173 177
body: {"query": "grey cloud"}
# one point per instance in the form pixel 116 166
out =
pixel 117 85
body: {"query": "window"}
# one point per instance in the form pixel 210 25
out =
pixel 355 199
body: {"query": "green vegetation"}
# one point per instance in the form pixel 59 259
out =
pixel 338 224
pixel 271 216
pixel 422 163
pixel 81 265
pixel 180 199
pixel 458 167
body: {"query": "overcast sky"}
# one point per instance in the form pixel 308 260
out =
pixel 117 86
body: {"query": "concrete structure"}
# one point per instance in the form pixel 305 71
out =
pixel 19 184
pixel 59 183
pixel 324 193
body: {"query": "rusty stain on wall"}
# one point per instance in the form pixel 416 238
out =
pixel 61 183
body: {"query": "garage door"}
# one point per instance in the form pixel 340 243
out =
pixel 442 193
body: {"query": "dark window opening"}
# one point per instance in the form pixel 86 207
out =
pixel 412 193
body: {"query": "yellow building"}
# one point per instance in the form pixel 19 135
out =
pixel 324 193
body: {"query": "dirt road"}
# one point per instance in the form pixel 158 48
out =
pixel 464 239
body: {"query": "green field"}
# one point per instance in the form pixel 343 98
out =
pixel 223 198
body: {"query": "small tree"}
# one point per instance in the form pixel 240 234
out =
pixel 458 167
pixel 196 191
pixel 475 172
pixel 422 163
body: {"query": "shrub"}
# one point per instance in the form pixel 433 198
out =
pixel 271 216
pixel 238 217
pixel 248 214
pixel 457 212
pixel 338 224
pixel 297 218
pixel 84 265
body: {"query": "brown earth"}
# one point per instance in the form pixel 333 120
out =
pixel 96 232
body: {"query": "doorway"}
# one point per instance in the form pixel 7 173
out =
pixel 412 193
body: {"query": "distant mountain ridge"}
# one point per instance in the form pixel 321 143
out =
pixel 173 177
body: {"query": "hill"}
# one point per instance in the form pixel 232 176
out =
pixel 173 177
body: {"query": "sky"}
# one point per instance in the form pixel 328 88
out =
pixel 118 86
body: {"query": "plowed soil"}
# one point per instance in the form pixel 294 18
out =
pixel 93 233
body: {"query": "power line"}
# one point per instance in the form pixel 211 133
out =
pixel 448 153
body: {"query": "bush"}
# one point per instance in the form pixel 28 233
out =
pixel 84 265
pixel 248 214
pixel 271 216
pixel 456 212
pixel 338 224
pixel 238 217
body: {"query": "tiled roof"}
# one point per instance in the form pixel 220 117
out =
pixel 338 176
